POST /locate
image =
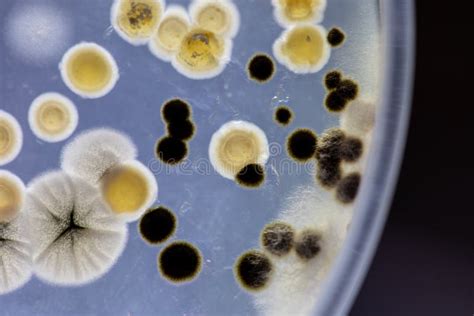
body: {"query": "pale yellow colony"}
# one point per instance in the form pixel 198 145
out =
pixel 52 117
pixel 129 189
pixel 136 20
pixel 303 48
pixel 11 138
pixel 89 70
pixel 235 145
pixel 167 38
pixel 202 54
pixel 218 16
pixel 12 196
pixel 290 12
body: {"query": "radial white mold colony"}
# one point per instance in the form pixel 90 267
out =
pixel 166 39
pixel 12 196
pixel 303 48
pixel 218 16
pixel 89 70
pixel 235 145
pixel 15 254
pixel 202 54
pixel 290 12
pixel 75 239
pixel 37 33
pixel 92 153
pixel 136 20
pixel 359 117
pixel 129 189
pixel 52 117
pixel 106 158
pixel 298 280
pixel 11 138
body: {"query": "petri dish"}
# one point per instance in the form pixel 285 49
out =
pixel 217 259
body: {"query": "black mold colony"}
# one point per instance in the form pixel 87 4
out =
pixel 336 37
pixel 348 187
pixel 302 144
pixel 179 262
pixel 307 245
pixel 341 91
pixel 335 147
pixel 253 270
pixel 172 149
pixel 157 225
pixel 261 68
pixel 283 115
pixel 278 238
pixel 251 176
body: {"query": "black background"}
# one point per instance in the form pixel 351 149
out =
pixel 425 261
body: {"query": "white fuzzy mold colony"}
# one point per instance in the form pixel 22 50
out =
pixel 218 16
pixel 303 48
pixel 37 33
pixel 75 239
pixel 52 117
pixel 166 39
pixel 106 158
pixel 235 145
pixel 15 254
pixel 11 138
pixel 135 21
pixel 297 280
pixel 91 154
pixel 89 70
pixel 12 196
pixel 290 12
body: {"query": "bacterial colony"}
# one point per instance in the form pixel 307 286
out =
pixel 69 226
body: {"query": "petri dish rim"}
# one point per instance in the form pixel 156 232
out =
pixel 381 175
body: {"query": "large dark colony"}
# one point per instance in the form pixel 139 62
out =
pixel 157 225
pixel 171 150
pixel 348 187
pixel 307 245
pixel 179 262
pixel 175 110
pixel 341 91
pixel 251 176
pixel 336 37
pixel 301 144
pixel 253 270
pixel 261 68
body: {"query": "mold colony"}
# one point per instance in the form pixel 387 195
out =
pixel 52 117
pixel 180 262
pixel 11 138
pixel 89 70
pixel 12 196
pixel 157 225
pixel 289 12
pixel 261 68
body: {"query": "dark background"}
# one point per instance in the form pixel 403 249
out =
pixel 425 261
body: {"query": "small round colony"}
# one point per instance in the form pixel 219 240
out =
pixel 175 110
pixel 89 70
pixel 235 145
pixel 344 92
pixel 135 20
pixel 91 154
pixel 277 238
pixel 129 189
pixel 307 244
pixel 303 48
pixel 283 115
pixel 166 39
pixel 183 130
pixel 202 54
pixel 336 37
pixel 302 144
pixel 253 270
pixel 157 225
pixel 251 176
pixel 11 138
pixel 180 262
pixel 171 150
pixel 75 239
pixel 12 196
pixel 52 117
pixel 332 79
pixel 15 253
pixel 347 188
pixel 218 16
pixel 289 12
pixel 261 68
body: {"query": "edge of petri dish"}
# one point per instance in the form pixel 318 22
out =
pixel 386 153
